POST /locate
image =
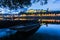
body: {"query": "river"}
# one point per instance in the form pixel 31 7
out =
pixel 50 32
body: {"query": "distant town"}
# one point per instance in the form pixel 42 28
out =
pixel 41 15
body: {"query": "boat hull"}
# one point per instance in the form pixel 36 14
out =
pixel 9 23
pixel 20 35
pixel 26 33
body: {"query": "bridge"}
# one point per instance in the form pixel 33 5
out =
pixel 41 17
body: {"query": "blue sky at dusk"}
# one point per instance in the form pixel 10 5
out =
pixel 53 5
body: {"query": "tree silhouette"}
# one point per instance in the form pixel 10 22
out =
pixel 13 4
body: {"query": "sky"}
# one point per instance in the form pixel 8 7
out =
pixel 53 5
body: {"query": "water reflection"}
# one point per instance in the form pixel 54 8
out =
pixel 52 32
pixel 52 29
pixel 6 32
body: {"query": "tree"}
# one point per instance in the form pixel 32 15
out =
pixel 43 2
pixel 13 4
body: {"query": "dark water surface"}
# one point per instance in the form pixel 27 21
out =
pixel 50 32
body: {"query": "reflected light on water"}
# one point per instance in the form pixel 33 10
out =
pixel 6 32
pixel 52 29
pixel 52 32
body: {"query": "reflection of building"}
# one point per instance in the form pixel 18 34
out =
pixel 36 10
